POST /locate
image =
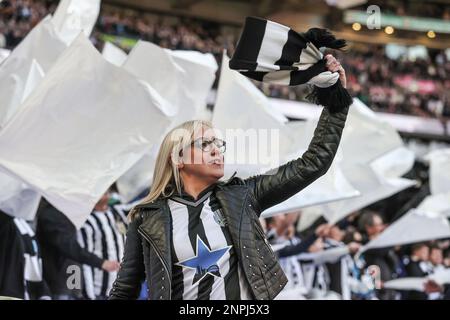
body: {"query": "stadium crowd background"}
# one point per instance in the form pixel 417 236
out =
pixel 376 79
pixel 384 83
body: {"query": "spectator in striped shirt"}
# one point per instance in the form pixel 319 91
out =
pixel 20 261
pixel 103 234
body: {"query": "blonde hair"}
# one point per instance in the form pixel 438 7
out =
pixel 166 176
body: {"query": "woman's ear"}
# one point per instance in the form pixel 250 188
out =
pixel 178 161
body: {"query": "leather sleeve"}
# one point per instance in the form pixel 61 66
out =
pixel 280 184
pixel 127 285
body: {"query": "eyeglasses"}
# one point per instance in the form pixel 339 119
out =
pixel 207 145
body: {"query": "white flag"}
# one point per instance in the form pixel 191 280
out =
pixel 41 46
pixel 367 137
pixel 331 187
pixel 17 198
pixel 441 277
pixel 439 171
pixel 80 129
pixel 73 16
pixel 4 53
pixel 184 79
pixel 439 203
pixel 371 184
pixel 139 177
pixel 199 66
pixel 414 226
pixel 374 159
pixel 114 54
pixel 408 283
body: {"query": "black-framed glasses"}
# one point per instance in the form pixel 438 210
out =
pixel 207 145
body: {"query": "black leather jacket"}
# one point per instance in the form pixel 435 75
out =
pixel 147 250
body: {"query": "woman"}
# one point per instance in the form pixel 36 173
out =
pixel 195 237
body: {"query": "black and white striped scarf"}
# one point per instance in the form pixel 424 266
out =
pixel 270 52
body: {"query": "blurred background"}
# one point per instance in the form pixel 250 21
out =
pixel 402 67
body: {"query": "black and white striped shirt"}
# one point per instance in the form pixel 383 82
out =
pixel 103 234
pixel 205 264
pixel 34 285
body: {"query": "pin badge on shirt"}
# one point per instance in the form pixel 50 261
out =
pixel 219 218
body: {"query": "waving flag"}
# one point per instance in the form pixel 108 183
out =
pixel 73 16
pixel 441 277
pixel 4 53
pixel 171 74
pixel 17 198
pixel 374 168
pixel 377 180
pixel 41 46
pixel 414 226
pixel 439 171
pixel 77 134
pixel 20 73
pixel 114 54
pixel 439 203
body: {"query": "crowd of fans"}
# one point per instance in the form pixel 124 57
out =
pixel 48 258
pixel 183 35
pixel 420 87
pixel 17 18
pixel 313 273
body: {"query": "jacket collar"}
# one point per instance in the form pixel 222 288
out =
pixel 229 180
pixel 188 200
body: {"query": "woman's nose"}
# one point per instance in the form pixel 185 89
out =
pixel 215 150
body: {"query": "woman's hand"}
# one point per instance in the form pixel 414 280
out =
pixel 335 66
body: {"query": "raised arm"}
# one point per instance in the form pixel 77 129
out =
pixel 282 183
